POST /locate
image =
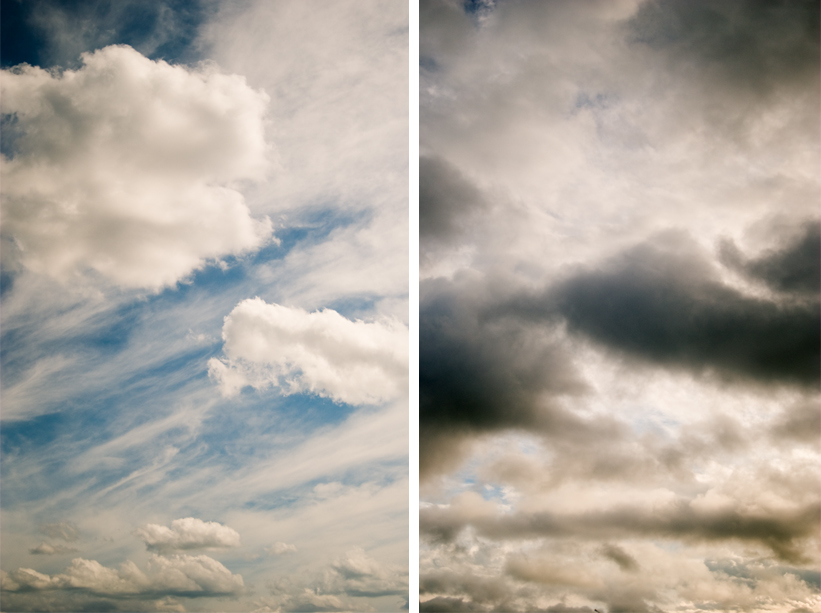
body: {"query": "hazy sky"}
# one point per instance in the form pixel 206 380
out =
pixel 619 318
pixel 204 305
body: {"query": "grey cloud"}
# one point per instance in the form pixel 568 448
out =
pixel 446 200
pixel 482 590
pixel 447 605
pixel 481 372
pixel 780 531
pixel 757 47
pixel 801 422
pixel 795 267
pixel 662 302
pixel 625 561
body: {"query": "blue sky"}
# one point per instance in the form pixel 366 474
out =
pixel 210 170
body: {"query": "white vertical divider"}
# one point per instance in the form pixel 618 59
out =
pixel 413 301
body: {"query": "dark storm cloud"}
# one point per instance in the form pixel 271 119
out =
pixel 625 561
pixel 663 302
pixel 796 267
pixel 758 46
pixel 680 520
pixel 481 372
pixel 446 200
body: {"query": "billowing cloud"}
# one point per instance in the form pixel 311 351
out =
pixel 188 533
pixel 182 575
pixel 619 312
pixel 663 301
pixel 336 587
pixel 320 353
pixel 128 168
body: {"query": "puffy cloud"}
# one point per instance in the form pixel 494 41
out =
pixel 182 575
pixel 128 168
pixel 320 353
pixel 45 549
pixel 188 533
pixel 279 548
pixel 357 574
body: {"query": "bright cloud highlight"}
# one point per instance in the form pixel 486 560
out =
pixel 188 533
pixel 136 161
pixel 321 353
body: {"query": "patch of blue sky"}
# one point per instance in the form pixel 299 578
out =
pixel 493 493
pixel 160 29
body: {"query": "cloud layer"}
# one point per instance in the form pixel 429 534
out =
pixel 181 575
pixel 619 306
pixel 319 353
pixel 127 168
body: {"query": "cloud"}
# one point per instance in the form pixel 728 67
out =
pixel 663 301
pixel 339 584
pixel 625 561
pixel 46 549
pixel 794 267
pixel 181 575
pixel 279 548
pixel 778 529
pixel 320 353
pixel 358 575
pixel 188 533
pixel 66 530
pixel 447 204
pixel 483 371
pixel 127 168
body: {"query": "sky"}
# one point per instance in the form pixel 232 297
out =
pixel 205 305
pixel 619 306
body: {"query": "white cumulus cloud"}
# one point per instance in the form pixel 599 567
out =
pixel 128 167
pixel 177 574
pixel 188 533
pixel 321 353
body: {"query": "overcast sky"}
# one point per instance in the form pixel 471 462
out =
pixel 204 305
pixel 619 317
